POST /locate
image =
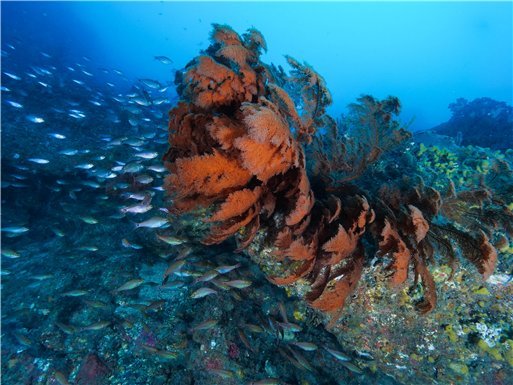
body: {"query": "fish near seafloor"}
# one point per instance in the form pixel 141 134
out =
pixel 203 292
pixel 171 240
pixel 132 284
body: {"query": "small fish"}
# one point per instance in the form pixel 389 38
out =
pixel 155 305
pixel 57 136
pixel 90 183
pixel 57 232
pixel 338 355
pixel 227 269
pixel 128 244
pixel 9 253
pixel 223 373
pixel 142 101
pixel 205 325
pixel 245 340
pixel 352 367
pixel 151 83
pixel 292 327
pixel 208 276
pixel 12 76
pixel 174 267
pixel 88 248
pixel 22 339
pixel 85 166
pixel 302 360
pixel 166 354
pixel 42 277
pixel 14 104
pixel 291 359
pixel 203 292
pixel 35 119
pixel 15 229
pixel 220 284
pixel 147 155
pixel 68 152
pixel 89 220
pixel 136 196
pixel 152 223
pixel 38 160
pixel 173 285
pixel 68 329
pixel 157 168
pixel 307 346
pixel 170 240
pixel 163 59
pixel 96 326
pixel 95 304
pixel 364 355
pixel 75 293
pixel 238 283
pixel 144 179
pixel 132 284
pixel 253 328
pixel 137 209
pixel 150 349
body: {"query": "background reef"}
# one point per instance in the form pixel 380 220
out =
pixel 339 222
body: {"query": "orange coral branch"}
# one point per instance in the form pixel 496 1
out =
pixel 392 242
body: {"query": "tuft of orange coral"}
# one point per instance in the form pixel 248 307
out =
pixel 238 142
pixel 230 145
pixel 392 243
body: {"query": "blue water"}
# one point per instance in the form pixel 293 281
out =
pixel 93 293
pixel 428 54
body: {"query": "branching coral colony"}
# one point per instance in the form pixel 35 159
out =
pixel 237 146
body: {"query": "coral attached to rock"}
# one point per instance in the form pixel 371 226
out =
pixel 237 147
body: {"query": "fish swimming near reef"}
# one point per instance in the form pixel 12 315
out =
pixel 163 59
pixel 171 240
pixel 132 284
pixel 151 83
pixel 153 223
pixel 203 292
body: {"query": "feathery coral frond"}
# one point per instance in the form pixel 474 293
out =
pixel 339 287
pixel 391 242
pixel 236 204
pixel 419 223
pixel 208 175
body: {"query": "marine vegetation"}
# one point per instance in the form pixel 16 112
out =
pixel 253 152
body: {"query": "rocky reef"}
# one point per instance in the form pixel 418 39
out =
pixel 481 122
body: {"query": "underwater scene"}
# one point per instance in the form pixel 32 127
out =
pixel 256 193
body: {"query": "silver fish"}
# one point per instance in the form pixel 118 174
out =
pixel 163 59
pixel 152 223
pixel 203 292
pixel 38 160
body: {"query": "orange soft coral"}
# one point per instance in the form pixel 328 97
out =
pixel 232 146
pixel 237 145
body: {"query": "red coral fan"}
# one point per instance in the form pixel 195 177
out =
pixel 236 146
